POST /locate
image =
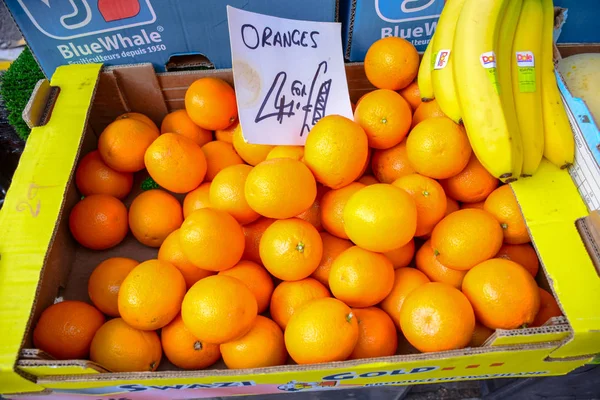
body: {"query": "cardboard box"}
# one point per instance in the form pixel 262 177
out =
pixel 167 34
pixel 587 14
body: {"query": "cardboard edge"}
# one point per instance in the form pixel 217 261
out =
pixel 38 102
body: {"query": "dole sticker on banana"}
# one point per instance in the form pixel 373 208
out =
pixel 488 61
pixel 526 71
pixel 441 60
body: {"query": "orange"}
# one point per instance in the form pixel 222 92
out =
pixel 377 336
pixel 412 95
pixel 176 163
pixel 98 222
pixel 323 330
pixel 253 154
pixel 179 122
pixel 466 238
pixel 503 294
pixel 291 249
pixel 428 264
pixel 380 217
pixel 312 215
pixel 219 155
pixel 332 208
pixel 139 117
pixel 522 254
pixel 437 317
pixel 385 116
pixel 391 63
pixel 256 278
pixel 405 281
pixel 451 205
pixel 402 256
pixel 368 180
pixel 171 251
pixel 429 198
pixel 218 309
pixel 332 247
pixel 196 199
pixel 280 188
pixel 105 281
pixel 184 350
pixel 93 176
pixel 548 308
pixel 150 296
pixel 120 348
pixel 472 184
pixel 361 278
pixel 502 204
pixel 65 330
pixel 154 214
pixel 295 152
pixel 480 335
pixel 336 151
pixel 425 110
pixel 212 239
pixel 210 103
pixel 438 148
pixel 226 135
pixel 123 143
pixel 478 205
pixel 227 193
pixel 252 234
pixel 391 164
pixel 290 296
pixel 262 346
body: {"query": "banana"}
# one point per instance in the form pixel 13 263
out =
pixel 476 82
pixel 442 73
pixel 424 76
pixel 527 83
pixel 559 144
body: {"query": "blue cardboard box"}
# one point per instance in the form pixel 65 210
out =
pixel 116 32
pixel 582 21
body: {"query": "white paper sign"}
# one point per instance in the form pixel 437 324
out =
pixel 288 74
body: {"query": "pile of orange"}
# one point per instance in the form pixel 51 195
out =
pixel 270 251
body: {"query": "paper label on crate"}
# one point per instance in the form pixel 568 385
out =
pixel 488 61
pixel 288 75
pixel 526 71
pixel 441 60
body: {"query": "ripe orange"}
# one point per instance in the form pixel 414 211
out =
pixel 154 214
pixel 98 222
pixel 93 176
pixel 377 336
pixel 472 184
pixel 179 122
pixel 466 238
pixel 332 208
pixel 323 330
pixel 262 346
pixel 219 155
pixel 105 281
pixel 218 309
pixel 429 198
pixel 336 151
pixel 184 350
pixel 176 163
pixel 280 188
pixel 253 154
pixel 391 63
pixel 123 143
pixel 368 180
pixel 332 247
pixel 412 95
pixel 212 239
pixel 548 308
pixel 291 249
pixel 65 330
pixel 150 296
pixel 402 256
pixel 226 135
pixel 480 335
pixel 390 164
pixel 171 251
pixel 425 110
pixel 385 116
pixel 380 217
pixel 428 264
pixel 256 278
pixel 312 215
pixel 227 193
pixel 294 152
pixel 120 348
pixel 522 254
pixel 210 103
pixel 438 148
pixel 478 205
pixel 502 204
pixel 252 234
pixel 503 294
pixel 405 281
pixel 451 206
pixel 437 317
pixel 139 117
pixel 196 199
pixel 290 296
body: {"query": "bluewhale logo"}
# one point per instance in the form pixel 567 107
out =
pixel 397 11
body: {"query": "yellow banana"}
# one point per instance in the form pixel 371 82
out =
pixel 424 76
pixel 476 82
pixel 442 73
pixel 527 83
pixel 559 144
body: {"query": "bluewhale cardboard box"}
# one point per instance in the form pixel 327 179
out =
pixel 114 32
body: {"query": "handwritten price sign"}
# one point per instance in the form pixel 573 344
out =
pixel 288 75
